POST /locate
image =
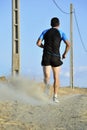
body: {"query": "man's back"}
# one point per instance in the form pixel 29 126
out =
pixel 52 39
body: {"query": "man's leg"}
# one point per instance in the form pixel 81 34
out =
pixel 56 85
pixel 46 71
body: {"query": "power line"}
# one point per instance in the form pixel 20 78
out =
pixel 59 7
pixel 79 32
pixel 83 45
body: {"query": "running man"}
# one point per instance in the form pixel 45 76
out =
pixel 51 53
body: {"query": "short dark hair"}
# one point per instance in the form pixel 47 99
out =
pixel 55 22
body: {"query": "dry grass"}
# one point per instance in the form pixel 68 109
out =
pixel 3 78
pixel 62 90
pixel 68 90
pixel 65 90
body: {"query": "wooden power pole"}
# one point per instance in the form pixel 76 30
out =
pixel 15 37
pixel 71 50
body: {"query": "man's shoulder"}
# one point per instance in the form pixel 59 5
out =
pixel 44 31
pixel 61 32
pixel 63 35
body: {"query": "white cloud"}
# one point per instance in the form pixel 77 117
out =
pixel 65 74
pixel 82 68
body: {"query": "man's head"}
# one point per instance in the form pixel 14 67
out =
pixel 55 22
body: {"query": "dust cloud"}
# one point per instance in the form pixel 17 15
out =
pixel 23 90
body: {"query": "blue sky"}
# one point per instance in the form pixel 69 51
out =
pixel 35 17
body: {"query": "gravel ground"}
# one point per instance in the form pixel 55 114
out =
pixel 69 114
pixel 24 107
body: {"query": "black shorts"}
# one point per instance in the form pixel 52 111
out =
pixel 48 59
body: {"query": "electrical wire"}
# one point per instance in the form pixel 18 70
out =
pixel 59 7
pixel 83 45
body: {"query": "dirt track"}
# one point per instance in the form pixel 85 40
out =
pixel 18 114
pixel 69 114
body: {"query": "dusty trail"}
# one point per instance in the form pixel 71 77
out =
pixel 17 112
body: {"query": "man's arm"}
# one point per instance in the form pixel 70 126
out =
pixel 66 48
pixel 39 43
pixel 41 38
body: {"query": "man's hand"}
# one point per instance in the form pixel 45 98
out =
pixel 66 49
pixel 63 56
pixel 39 43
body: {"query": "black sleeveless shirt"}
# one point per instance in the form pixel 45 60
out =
pixel 52 40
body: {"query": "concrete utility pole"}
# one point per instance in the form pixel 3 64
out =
pixel 71 50
pixel 15 37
